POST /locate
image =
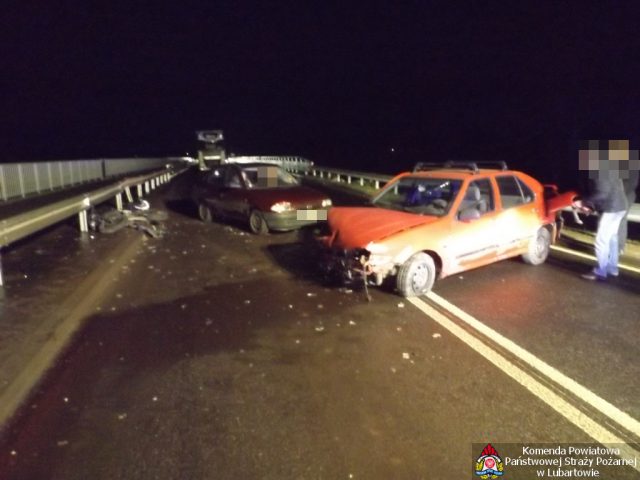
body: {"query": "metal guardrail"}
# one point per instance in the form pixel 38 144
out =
pixel 377 180
pixel 349 176
pixel 289 163
pixel 19 180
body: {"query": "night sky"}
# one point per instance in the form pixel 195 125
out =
pixel 342 83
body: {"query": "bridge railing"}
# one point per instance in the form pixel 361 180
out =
pixel 19 180
pixel 289 163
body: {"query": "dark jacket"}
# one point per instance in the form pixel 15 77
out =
pixel 607 195
pixel 630 185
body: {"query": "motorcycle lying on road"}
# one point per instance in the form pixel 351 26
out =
pixel 139 216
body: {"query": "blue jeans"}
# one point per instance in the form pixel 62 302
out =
pixel 607 250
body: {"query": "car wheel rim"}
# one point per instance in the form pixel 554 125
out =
pixel 256 223
pixel 420 276
pixel 205 214
pixel 541 246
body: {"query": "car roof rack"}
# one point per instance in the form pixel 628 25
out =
pixel 462 165
pixel 499 164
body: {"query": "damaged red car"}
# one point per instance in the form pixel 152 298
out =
pixel 440 220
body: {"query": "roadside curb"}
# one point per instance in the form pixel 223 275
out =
pixel 80 305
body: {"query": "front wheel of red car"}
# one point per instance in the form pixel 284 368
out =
pixel 257 223
pixel 539 247
pixel 416 276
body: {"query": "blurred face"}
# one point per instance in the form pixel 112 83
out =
pixel 267 177
pixel 612 163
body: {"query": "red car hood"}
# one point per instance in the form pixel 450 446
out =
pixel 355 227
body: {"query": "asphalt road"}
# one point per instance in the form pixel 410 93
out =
pixel 218 354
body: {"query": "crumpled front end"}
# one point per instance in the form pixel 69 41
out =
pixel 354 265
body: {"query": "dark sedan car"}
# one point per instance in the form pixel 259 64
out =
pixel 264 195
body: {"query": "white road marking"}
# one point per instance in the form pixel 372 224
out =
pixel 568 251
pixel 614 413
pixel 560 405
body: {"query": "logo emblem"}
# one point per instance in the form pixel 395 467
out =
pixel 489 464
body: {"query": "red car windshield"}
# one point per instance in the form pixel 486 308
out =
pixel 424 196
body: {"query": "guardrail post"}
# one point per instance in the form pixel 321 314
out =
pixel 1 278
pixel 84 222
pixel 127 191
pixel 119 201
pixel 349 179
pixel 377 184
pixel 146 187
pixel 21 180
pixel 36 174
pixel 361 182
pixel 139 190
pixel 3 186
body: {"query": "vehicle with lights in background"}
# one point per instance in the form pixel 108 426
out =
pixel 262 194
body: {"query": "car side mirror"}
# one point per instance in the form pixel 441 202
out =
pixel 469 214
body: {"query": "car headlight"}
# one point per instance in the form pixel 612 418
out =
pixel 281 207
pixel 326 202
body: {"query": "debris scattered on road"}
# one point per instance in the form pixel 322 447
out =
pixel 319 328
pixel 399 329
pixel 461 277
pixel 247 302
pixel 393 369
pixel 13 453
pixel 401 305
pixel 62 443
pixel 208 322
pixel 436 335
pixel 65 399
pixel 122 416
pixel 312 294
pixel 320 306
pixel 406 355
pixel 183 306
pixel 351 322
pixel 290 307
pixel 154 399
pixel 297 340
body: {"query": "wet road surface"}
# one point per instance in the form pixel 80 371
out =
pixel 218 354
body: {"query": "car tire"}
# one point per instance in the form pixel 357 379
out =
pixel 204 213
pixel 257 223
pixel 538 249
pixel 416 276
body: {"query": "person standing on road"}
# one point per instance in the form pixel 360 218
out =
pixel 607 197
pixel 630 182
